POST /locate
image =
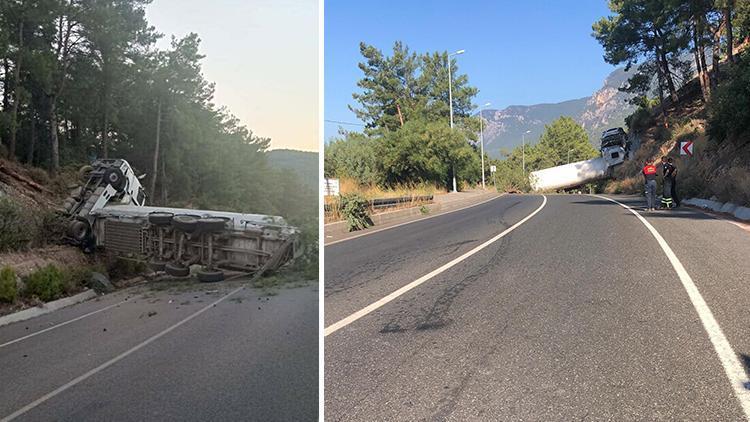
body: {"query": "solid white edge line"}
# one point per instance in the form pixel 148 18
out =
pixel 62 324
pixel 114 360
pixel 375 305
pixel 732 365
pixel 413 221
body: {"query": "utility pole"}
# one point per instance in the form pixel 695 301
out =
pixel 481 139
pixel 450 106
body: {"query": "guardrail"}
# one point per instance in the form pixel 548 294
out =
pixel 379 203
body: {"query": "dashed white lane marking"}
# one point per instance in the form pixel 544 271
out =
pixel 372 307
pixel 62 324
pixel 732 366
pixel 369 232
pixel 114 360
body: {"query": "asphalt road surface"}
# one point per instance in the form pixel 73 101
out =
pixel 578 313
pixel 248 357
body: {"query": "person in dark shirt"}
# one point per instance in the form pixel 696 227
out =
pixel 666 197
pixel 673 174
pixel 649 176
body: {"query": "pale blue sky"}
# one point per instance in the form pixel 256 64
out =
pixel 517 52
pixel 263 57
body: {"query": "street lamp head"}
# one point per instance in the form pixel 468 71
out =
pixel 458 52
pixel 528 131
pixel 487 105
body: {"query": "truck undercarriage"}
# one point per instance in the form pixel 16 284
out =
pixel 107 213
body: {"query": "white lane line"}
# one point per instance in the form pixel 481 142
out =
pixel 375 305
pixel 413 221
pixel 114 360
pixel 62 324
pixel 732 366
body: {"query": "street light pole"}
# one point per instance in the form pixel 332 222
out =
pixel 523 151
pixel 450 106
pixel 481 139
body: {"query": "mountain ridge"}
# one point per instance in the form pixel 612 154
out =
pixel 607 107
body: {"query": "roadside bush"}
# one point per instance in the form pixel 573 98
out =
pixel 639 121
pixel 8 288
pixel 50 227
pixel 15 230
pixel 355 209
pixel 46 284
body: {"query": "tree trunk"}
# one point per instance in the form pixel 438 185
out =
pixel 704 67
pixel 716 58
pixel 400 116
pixel 54 141
pixel 32 142
pixel 16 96
pixel 163 182
pixel 6 95
pixel 155 168
pixel 698 65
pixel 728 29
pixel 105 107
pixel 668 76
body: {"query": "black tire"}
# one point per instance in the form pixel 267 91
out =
pixel 185 223
pixel 177 270
pixel 115 178
pixel 210 276
pixel 160 218
pixel 157 265
pixel 212 224
pixel 79 230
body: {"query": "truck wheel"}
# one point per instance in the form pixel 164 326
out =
pixel 160 218
pixel 210 276
pixel 79 230
pixel 212 224
pixel 115 178
pixel 157 265
pixel 176 270
pixel 185 223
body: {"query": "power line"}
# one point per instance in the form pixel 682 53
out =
pixel 344 123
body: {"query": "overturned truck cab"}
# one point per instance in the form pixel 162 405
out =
pixel 108 213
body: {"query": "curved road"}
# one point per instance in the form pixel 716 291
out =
pixel 237 355
pixel 575 314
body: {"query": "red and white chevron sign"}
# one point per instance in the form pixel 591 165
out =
pixel 686 148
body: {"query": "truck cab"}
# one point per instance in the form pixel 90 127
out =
pixel 614 146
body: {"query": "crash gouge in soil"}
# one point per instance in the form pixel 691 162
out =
pixel 108 213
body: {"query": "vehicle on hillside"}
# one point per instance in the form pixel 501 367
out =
pixel 108 213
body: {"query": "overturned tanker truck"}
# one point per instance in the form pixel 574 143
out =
pixel 108 213
pixel 615 149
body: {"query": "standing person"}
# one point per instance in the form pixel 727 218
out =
pixel 673 173
pixel 666 194
pixel 649 175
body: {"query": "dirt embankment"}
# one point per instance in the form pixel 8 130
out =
pixel 31 228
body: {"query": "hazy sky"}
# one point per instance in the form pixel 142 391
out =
pixel 517 52
pixel 263 57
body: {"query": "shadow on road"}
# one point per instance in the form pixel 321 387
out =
pixel 638 204
pixel 746 363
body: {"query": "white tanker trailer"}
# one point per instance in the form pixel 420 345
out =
pixel 614 149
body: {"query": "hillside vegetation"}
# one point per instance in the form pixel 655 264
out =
pixel 85 80
pixel 710 106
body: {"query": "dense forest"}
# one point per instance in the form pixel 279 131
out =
pixel 84 79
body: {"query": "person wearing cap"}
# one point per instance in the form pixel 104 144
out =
pixel 649 176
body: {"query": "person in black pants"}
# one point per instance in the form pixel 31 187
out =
pixel 673 174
